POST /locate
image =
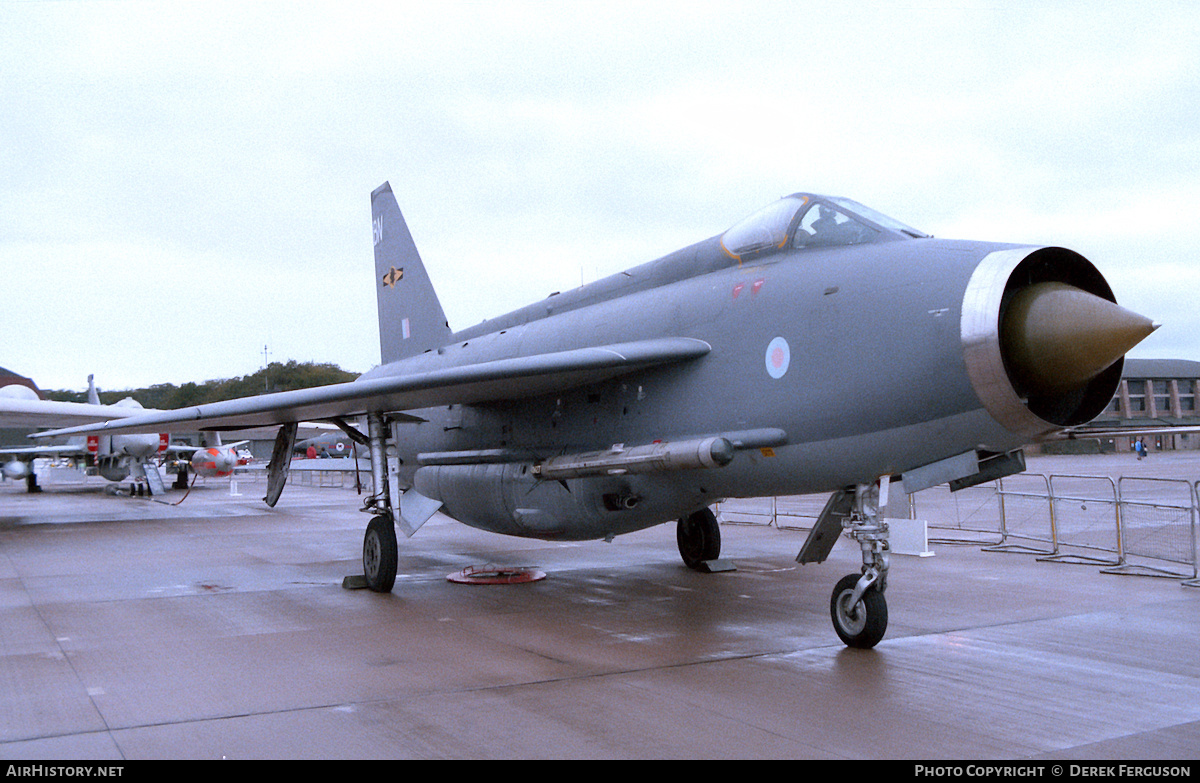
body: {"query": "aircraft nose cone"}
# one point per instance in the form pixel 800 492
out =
pixel 1057 337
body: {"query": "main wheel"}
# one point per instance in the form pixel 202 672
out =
pixel 699 538
pixel 863 624
pixel 379 554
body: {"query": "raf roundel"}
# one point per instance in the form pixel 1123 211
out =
pixel 779 356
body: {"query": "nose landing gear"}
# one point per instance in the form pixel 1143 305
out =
pixel 857 606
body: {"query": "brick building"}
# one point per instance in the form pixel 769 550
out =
pixel 1155 393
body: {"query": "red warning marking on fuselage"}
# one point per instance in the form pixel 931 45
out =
pixel 755 287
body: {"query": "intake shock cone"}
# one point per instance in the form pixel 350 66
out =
pixel 1056 337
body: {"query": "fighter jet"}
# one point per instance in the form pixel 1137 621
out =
pixel 326 444
pixel 116 457
pixel 817 345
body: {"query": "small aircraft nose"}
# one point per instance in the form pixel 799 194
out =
pixel 1056 337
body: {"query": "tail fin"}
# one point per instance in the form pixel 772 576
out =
pixel 411 319
pixel 93 395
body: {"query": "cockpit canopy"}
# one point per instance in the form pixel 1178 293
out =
pixel 805 220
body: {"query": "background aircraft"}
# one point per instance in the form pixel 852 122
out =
pixel 116 457
pixel 327 444
pixel 815 346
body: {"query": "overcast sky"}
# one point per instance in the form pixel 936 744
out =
pixel 184 184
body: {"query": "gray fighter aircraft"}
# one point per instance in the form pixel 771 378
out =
pixel 115 457
pixel 815 346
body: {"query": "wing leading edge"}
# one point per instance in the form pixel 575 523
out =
pixel 52 413
pixel 501 379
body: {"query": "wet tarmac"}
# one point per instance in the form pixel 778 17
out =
pixel 219 628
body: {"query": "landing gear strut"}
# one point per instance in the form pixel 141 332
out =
pixel 379 543
pixel 699 538
pixel 857 606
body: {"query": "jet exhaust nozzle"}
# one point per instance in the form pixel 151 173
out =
pixel 1056 337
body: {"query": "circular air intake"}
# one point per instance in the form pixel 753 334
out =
pixel 1044 338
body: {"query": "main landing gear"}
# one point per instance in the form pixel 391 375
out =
pixel 699 539
pixel 380 553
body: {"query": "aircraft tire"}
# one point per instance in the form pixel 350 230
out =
pixel 379 554
pixel 864 624
pixel 699 538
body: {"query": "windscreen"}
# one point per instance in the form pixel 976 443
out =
pixel 766 228
pixel 877 217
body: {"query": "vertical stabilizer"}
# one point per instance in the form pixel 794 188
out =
pixel 93 395
pixel 411 319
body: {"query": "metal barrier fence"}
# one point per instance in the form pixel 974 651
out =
pixel 1132 525
pixel 1085 520
pixel 1158 522
pixel 792 512
pixel 1195 580
pixel 340 474
pixel 969 516
pixel 1026 515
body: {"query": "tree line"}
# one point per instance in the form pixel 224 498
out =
pixel 273 378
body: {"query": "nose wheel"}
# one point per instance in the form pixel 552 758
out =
pixel 859 616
